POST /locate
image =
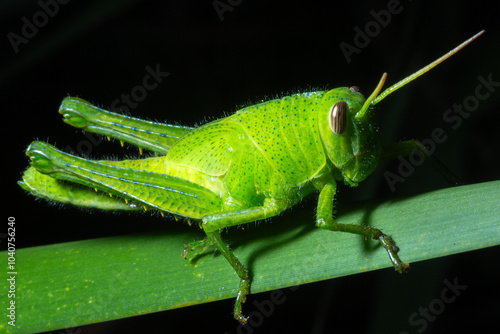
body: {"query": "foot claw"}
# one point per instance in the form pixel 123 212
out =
pixel 195 244
pixel 392 250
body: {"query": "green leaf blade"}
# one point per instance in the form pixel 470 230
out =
pixel 83 282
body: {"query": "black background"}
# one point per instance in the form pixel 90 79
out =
pixel 99 50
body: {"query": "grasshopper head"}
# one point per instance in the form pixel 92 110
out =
pixel 350 136
pixel 346 126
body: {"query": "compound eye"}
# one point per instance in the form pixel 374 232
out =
pixel 338 117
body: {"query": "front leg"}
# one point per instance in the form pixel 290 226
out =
pixel 324 220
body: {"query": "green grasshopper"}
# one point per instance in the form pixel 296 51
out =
pixel 246 167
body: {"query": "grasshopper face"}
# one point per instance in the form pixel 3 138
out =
pixel 352 143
